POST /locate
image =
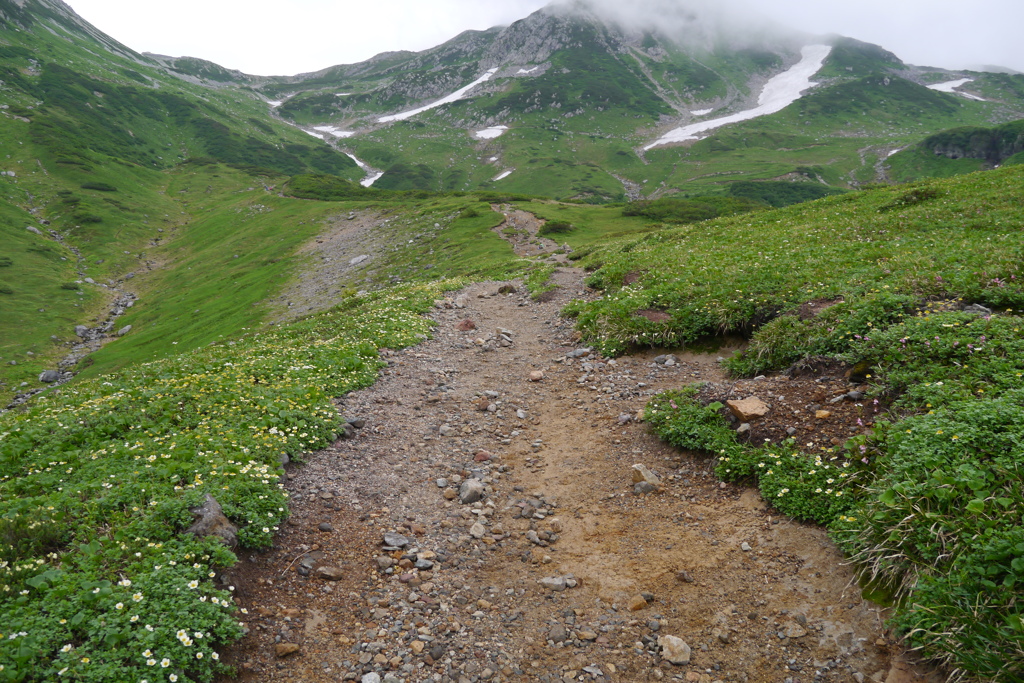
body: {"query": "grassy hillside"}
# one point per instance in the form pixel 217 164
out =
pixel 930 502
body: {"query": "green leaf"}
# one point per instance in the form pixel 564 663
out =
pixel 976 506
pixel 888 498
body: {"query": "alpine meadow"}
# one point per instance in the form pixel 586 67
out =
pixel 586 348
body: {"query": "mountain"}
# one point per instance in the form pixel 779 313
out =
pixel 582 94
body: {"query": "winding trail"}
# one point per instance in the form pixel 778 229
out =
pixel 457 598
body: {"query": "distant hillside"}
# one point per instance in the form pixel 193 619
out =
pixel 960 150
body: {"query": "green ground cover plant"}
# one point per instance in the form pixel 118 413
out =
pixel 929 503
pixel 97 579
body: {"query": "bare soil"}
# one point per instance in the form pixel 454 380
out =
pixel 756 596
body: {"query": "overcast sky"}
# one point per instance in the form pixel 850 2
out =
pixel 287 38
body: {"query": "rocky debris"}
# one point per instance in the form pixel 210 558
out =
pixel 667 360
pixel 674 650
pixel 977 309
pixel 211 521
pixel 749 409
pixel 466 325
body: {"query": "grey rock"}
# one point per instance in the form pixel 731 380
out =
pixel 791 431
pixel 558 634
pixel 49 377
pixel 644 487
pixel 478 530
pixel 555 583
pixel 372 677
pixel 324 526
pixel 977 309
pixel 211 521
pixel 124 330
pixel 442 483
pixel 471 491
pixel 424 565
pixel 855 396
pixel 385 562
pixel 81 330
pixel 394 540
pixel 446 430
pixel 359 259
pixel 641 473
pixel 34 230
pixel 745 547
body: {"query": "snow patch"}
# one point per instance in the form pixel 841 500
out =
pixel 371 175
pixel 504 175
pixel 951 87
pixel 316 135
pixel 493 159
pixel 454 97
pixel 895 151
pixel 527 71
pixel 491 133
pixel 342 94
pixel 275 103
pixel 780 92
pixel 702 112
pixel 335 131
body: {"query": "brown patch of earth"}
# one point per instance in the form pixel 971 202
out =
pixel 755 595
pixel 520 229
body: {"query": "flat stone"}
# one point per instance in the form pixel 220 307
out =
pixel 793 630
pixel 395 540
pixel 823 414
pixel 674 650
pixel 555 583
pixel 749 409
pixel 285 649
pixel 330 573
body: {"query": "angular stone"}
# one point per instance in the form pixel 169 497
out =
pixel 478 530
pixel 749 409
pixel 636 603
pixel 642 473
pixel 466 325
pixel 471 491
pixel 558 634
pixel 417 647
pixel 674 650
pixel 823 414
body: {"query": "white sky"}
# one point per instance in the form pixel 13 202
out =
pixel 286 38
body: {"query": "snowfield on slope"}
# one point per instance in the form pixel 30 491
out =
pixel 951 87
pixel 780 92
pixel 454 97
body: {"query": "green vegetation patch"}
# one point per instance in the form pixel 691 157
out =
pixel 737 274
pixel 672 210
pixel 99 580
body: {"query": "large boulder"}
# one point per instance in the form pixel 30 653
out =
pixel 49 377
pixel 749 409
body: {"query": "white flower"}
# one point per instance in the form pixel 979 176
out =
pixel 165 662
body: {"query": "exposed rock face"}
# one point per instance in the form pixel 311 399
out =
pixel 211 521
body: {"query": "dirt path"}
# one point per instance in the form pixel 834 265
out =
pixel 520 229
pixel 755 596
